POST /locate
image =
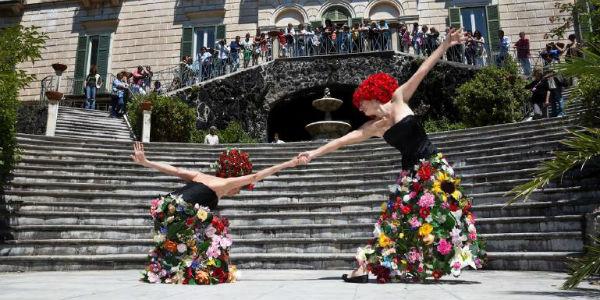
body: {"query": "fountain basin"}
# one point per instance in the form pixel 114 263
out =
pixel 327 104
pixel 328 129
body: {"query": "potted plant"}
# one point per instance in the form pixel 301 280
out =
pixel 59 68
pixel 146 105
pixel 54 95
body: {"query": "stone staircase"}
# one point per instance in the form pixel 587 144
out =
pixel 78 204
pixel 82 124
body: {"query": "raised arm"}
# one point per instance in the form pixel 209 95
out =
pixel 405 91
pixel 139 157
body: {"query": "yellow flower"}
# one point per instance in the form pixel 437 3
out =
pixel 441 176
pixel 437 187
pixel 425 229
pixel 456 194
pixel 439 155
pixel 383 207
pixel 401 235
pixel 211 262
pixel 384 241
pixel 202 215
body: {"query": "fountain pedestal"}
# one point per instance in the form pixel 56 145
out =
pixel 327 129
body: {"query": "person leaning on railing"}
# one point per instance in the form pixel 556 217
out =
pixel 119 87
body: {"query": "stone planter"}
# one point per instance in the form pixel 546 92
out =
pixel 146 105
pixel 54 96
pixel 59 68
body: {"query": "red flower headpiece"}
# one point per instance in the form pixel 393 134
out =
pixel 233 163
pixel 380 87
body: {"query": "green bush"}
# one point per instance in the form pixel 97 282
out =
pixel 588 91
pixel 172 119
pixel 234 133
pixel 494 96
pixel 443 124
pixel 18 44
pixel 32 119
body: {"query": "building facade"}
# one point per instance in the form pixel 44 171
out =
pixel 122 34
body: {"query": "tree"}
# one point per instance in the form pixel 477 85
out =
pixel 18 44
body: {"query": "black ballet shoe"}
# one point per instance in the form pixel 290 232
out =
pixel 356 279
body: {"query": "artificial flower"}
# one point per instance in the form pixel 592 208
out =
pixel 425 229
pixel 444 247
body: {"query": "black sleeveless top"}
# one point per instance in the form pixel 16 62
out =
pixel 196 192
pixel 409 137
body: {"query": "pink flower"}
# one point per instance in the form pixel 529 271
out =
pixel 445 205
pixel 477 262
pixel 153 277
pixel 456 265
pixel 473 236
pixel 426 201
pixel 213 251
pixel 414 256
pixel 414 222
pixel 394 216
pixel 411 195
pixel 210 231
pixel 444 247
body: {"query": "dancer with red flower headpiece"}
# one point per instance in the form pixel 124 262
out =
pixel 191 241
pixel 426 228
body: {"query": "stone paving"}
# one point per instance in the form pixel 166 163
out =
pixel 289 285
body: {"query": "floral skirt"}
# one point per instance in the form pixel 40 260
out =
pixel 425 229
pixel 191 244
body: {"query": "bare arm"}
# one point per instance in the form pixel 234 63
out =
pixel 140 158
pixel 238 182
pixel 405 91
pixel 366 131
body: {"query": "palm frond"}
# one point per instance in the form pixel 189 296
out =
pixel 585 266
pixel 582 147
pixel 589 64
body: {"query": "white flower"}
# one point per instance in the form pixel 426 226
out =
pixel 159 238
pixel 361 254
pixel 462 258
pixel 376 231
pixel 181 248
pixel 472 228
pixel 406 198
pixel 457 237
pixel 393 188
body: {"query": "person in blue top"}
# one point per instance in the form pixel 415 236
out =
pixel 503 48
pixel 234 50
pixel 118 95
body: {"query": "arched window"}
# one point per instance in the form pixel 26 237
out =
pixel 337 14
pixel 383 11
pixel 289 16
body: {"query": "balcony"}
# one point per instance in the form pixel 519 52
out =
pixel 99 3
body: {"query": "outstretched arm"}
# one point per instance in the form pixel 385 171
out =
pixel 366 131
pixel 405 91
pixel 139 157
pixel 238 182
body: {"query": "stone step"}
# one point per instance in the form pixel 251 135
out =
pixel 307 145
pixel 274 222
pixel 548 194
pixel 388 176
pixel 533 261
pixel 90 120
pixel 84 134
pixel 527 242
pixel 228 207
pixel 90 125
pixel 107 132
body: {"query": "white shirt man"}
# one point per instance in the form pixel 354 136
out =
pixel 211 139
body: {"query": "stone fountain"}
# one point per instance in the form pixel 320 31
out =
pixel 327 129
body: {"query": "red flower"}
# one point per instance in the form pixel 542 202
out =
pixel 416 187
pixel 217 224
pixel 437 274
pixel 454 206
pixel 190 221
pixel 379 87
pixel 467 208
pixel 425 171
pixel 406 209
pixel 424 213
pixel 220 275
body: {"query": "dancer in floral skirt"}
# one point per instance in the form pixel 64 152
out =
pixel 191 241
pixel 426 228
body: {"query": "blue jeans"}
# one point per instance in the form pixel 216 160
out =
pixel 557 107
pixel 235 61
pixel 526 65
pixel 118 101
pixel 90 97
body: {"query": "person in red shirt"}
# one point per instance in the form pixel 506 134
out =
pixel 523 53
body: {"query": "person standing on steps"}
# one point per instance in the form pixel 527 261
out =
pixel 202 236
pixel 211 138
pixel 426 228
pixel 92 83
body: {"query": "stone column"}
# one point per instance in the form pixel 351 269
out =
pixel 146 121
pixel 52 116
pixel 395 38
pixel 276 46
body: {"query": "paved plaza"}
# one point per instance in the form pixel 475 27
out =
pixel 288 285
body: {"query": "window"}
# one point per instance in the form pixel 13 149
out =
pixel 337 14
pixel 486 19
pixel 194 38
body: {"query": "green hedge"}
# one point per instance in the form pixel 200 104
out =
pixel 494 96
pixel 588 91
pixel 32 119
pixel 172 119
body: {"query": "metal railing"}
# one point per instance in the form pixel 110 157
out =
pixel 335 42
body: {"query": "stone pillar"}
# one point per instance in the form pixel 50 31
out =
pixel 146 121
pixel 394 27
pixel 52 116
pixel 276 49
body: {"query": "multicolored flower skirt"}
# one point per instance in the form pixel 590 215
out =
pixel 191 244
pixel 426 228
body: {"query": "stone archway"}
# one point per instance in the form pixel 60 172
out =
pixel 289 115
pixel 383 10
pixel 289 16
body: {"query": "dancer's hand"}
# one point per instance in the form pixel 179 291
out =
pixel 455 37
pixel 138 154
pixel 305 157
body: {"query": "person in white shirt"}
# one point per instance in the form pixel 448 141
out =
pixel 205 63
pixel 276 139
pixel 211 138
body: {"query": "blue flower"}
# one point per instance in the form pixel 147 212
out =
pixel 163 230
